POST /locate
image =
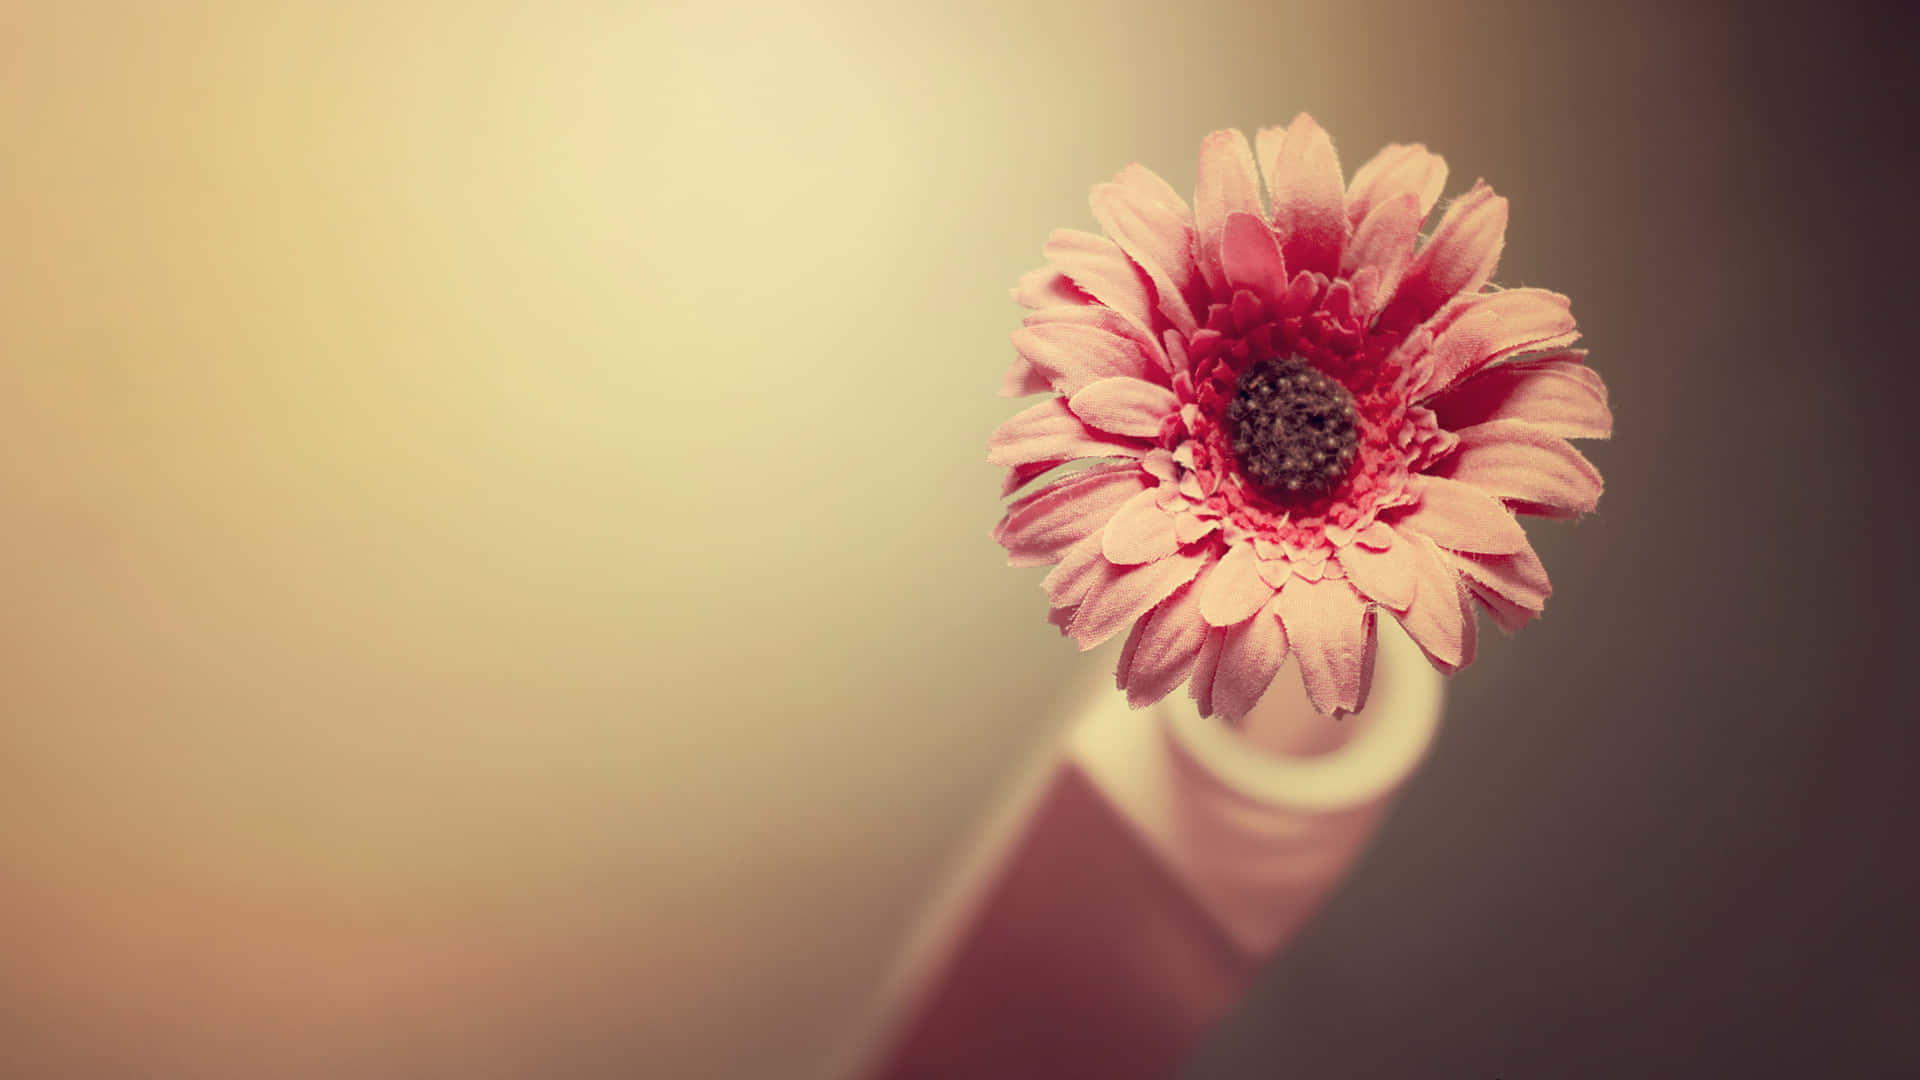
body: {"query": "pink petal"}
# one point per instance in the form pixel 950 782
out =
pixel 1507 615
pixel 1559 395
pixel 1249 657
pixel 1519 463
pixel 1099 268
pixel 1227 184
pixel 1047 287
pixel 1439 618
pixel 1205 666
pixel 1158 238
pixel 1163 647
pixel 1120 595
pixel 1476 331
pixel 1067 584
pixel 1384 241
pixel 1386 576
pixel 1123 406
pixel 1309 196
pixel 1397 170
pixel 1071 355
pixel 1111 321
pixel 1332 634
pixel 1461 517
pixel 1050 431
pixel 1235 590
pixel 1459 259
pixel 1039 528
pixel 1023 379
pixel 1021 475
pixel 1519 577
pixel 1250 258
pixel 1139 532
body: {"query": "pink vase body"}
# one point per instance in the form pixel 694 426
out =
pixel 1126 890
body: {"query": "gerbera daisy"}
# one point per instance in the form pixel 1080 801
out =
pixel 1278 416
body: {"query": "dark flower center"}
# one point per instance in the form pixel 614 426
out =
pixel 1293 429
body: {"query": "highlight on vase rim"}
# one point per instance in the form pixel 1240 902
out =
pixel 1277 412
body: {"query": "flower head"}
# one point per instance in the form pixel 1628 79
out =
pixel 1274 414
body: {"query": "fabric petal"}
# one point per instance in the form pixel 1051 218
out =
pixel 1105 318
pixel 1520 464
pixel 1384 241
pixel 1205 665
pixel 1163 647
pixel 1157 237
pixel 1399 169
pixel 1520 577
pixel 1250 258
pixel 1250 656
pixel 1038 529
pixel 1332 634
pixel 1050 431
pixel 1461 517
pixel 1235 590
pixel 1480 330
pixel 1121 594
pixel 1557 395
pixel 1139 532
pixel 1067 584
pixel 1308 195
pixel 1227 184
pixel 1047 287
pixel 1098 267
pixel 1123 406
pixel 1024 380
pixel 1386 576
pixel 1439 616
pixel 1459 259
pixel 1070 355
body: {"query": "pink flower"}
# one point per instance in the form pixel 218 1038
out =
pixel 1285 415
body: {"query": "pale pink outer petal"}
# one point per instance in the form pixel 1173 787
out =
pixel 1386 576
pixel 1109 320
pixel 1520 577
pixel 1308 194
pixel 1072 355
pixel 1227 183
pixel 1024 380
pixel 1205 665
pixel 1513 588
pixel 1250 258
pixel 1162 648
pixel 1121 594
pixel 1457 260
pixel 1398 169
pixel 1067 584
pixel 1439 619
pixel 1039 528
pixel 1460 517
pixel 1158 238
pixel 1123 406
pixel 1475 331
pixel 1235 590
pixel 1559 395
pixel 1139 532
pixel 1047 287
pixel 1331 629
pixel 1049 431
pixel 1098 267
pixel 1518 463
pixel 1250 655
pixel 1384 241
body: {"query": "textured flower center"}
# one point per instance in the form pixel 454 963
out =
pixel 1293 429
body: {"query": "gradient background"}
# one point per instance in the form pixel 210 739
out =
pixel 495 560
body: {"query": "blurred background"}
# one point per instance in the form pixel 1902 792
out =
pixel 496 568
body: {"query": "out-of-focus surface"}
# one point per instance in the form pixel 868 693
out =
pixel 495 563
